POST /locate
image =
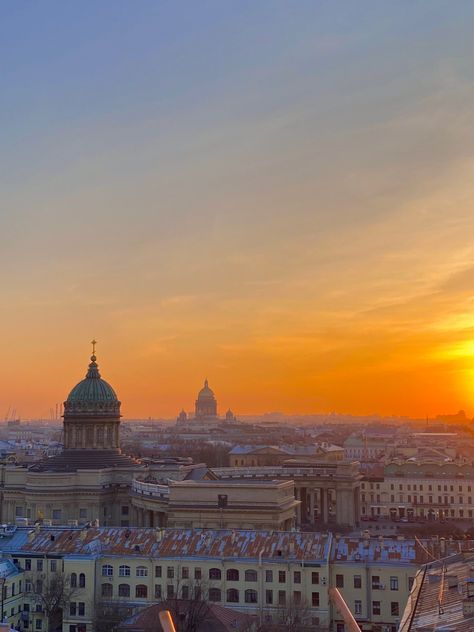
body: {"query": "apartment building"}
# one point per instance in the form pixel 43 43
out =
pixel 270 575
pixel 430 490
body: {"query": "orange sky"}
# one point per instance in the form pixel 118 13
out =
pixel 290 215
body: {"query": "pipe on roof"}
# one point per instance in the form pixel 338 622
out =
pixel 338 600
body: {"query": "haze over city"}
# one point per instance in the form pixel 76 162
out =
pixel 279 200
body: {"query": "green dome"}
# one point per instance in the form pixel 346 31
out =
pixel 93 395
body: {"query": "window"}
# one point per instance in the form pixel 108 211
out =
pixel 232 575
pixel 157 591
pixel 107 570
pixel 125 510
pixel 297 577
pixel 394 609
pixel 357 581
pixel 38 624
pixel 268 576
pixel 82 580
pixel 315 577
pixel 232 595
pixel 54 566
pixel 297 597
pixel 375 582
pixel 142 571
pixel 269 596
pixel 250 576
pixel 73 580
pixel 169 591
pixel 141 591
pixel 72 609
pixel 197 573
pixel 251 596
pixel 185 573
pixel 124 571
pixel 185 592
pixel 282 577
pixel 339 581
pixel 124 590
pixel 357 606
pixel 81 608
pixel 106 590
pixel 19 512
pixel 82 513
pixel 282 597
pixel 39 586
pixel 56 514
pixel 215 594
pixel 215 573
pixel 376 607
pixel 170 572
pixel 39 565
pixel 393 583
pixel 157 571
pixel 315 599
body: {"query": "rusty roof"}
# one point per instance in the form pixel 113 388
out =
pixel 383 550
pixel 172 543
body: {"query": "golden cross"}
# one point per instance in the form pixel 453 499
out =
pixel 93 343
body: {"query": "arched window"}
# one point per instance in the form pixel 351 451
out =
pixel 82 580
pixel 142 571
pixel 233 595
pixel 124 571
pixel 215 594
pixel 106 590
pixel 141 591
pixel 215 573
pixel 232 575
pixel 250 576
pixel 73 580
pixel 107 570
pixel 124 590
pixel 251 596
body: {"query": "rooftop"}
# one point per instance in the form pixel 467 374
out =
pixel 442 597
pixel 170 543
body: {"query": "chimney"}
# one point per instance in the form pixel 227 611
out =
pixel 83 535
pixel 31 535
pixel 158 534
pixel 37 527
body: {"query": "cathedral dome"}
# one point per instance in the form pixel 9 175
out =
pixel 205 392
pixel 92 396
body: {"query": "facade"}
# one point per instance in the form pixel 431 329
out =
pixel 375 576
pixel 268 575
pixel 431 490
pixel 328 492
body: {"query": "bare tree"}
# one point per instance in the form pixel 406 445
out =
pixel 54 594
pixel 108 617
pixel 293 616
pixel 189 605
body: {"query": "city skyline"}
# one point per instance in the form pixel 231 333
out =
pixel 277 199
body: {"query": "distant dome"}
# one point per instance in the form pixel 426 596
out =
pixel 92 396
pixel 205 392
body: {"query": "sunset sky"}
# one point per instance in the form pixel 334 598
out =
pixel 278 196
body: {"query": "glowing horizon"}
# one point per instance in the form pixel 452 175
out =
pixel 279 198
